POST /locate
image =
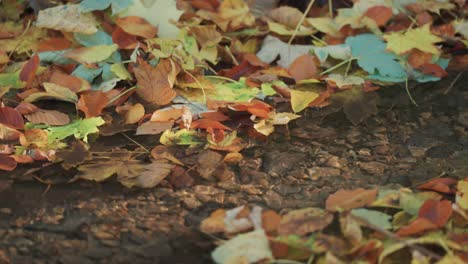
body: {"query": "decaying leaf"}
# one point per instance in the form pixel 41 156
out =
pixel 67 18
pixel 346 200
pixel 304 221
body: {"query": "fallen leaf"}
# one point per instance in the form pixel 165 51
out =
pixel 233 15
pixel 92 103
pixel 304 67
pixel 165 115
pixel 350 199
pixel 375 218
pixel 300 99
pixel 93 54
pixel 151 175
pixel 286 15
pixel 250 247
pixel 462 194
pixel 11 117
pixel 8 133
pixel 438 212
pixel 208 162
pixel 420 38
pixel 77 154
pixel 380 14
pixel 138 26
pixel 134 114
pixel 345 81
pixel 207 123
pixel 350 228
pixel 7 163
pixel 153 128
pixel 48 117
pixel 123 39
pixel 71 82
pixel 67 18
pixel 117 5
pixel 28 72
pixel 80 128
pixel 53 44
pixel 155 84
pixel 304 221
pixel 418 226
pixel 443 185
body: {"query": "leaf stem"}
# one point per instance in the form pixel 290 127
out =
pixel 199 84
pixel 408 92
pixel 338 65
pixel 120 95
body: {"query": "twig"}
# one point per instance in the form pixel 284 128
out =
pixel 199 84
pixel 120 95
pixel 408 92
pixel 453 83
pixel 300 22
pixel 134 141
pixel 228 51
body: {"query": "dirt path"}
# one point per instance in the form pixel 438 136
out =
pixel 104 223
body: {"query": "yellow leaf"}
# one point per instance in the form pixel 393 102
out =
pixel 285 31
pixel 325 25
pixel 134 114
pixel 301 99
pixel 21 42
pixel 419 38
pixel 233 15
pixel 91 54
pixel 462 194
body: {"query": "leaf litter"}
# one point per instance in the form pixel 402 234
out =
pixel 206 75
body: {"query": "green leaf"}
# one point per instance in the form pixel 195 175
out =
pixel 79 128
pixel 375 218
pixel 372 56
pixel 11 79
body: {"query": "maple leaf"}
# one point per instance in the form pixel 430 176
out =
pixel 79 128
pixel 371 55
pixel 418 38
pixel 155 85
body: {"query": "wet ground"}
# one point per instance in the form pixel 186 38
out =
pixel 86 222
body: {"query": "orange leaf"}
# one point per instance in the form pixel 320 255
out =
pixel 418 226
pixel 447 30
pixel 8 133
pixel 123 39
pixel 380 14
pixel 256 107
pixel 166 115
pixel 346 200
pixel 92 103
pixel 210 5
pixel 303 221
pixel 4 57
pixel 137 26
pixel 218 116
pixel 155 84
pixel 11 117
pixel 207 123
pixel 73 83
pixel 29 70
pixel 52 44
pixel 443 185
pixel 134 114
pixel 433 69
pixel 303 67
pixel 418 58
pixel 7 163
pixel 438 212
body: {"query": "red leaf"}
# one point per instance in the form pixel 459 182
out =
pixel 11 117
pixel 438 212
pixel 52 44
pixel 73 83
pixel 418 58
pixel 209 5
pixel 418 226
pixel 243 69
pixel 433 69
pixel 123 39
pixel 7 163
pixel 380 14
pixel 442 185
pixel 304 67
pixel 29 70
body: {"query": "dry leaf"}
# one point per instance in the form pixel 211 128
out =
pixel 48 117
pixel 155 84
pixel 304 221
pixel 92 103
pixel 137 26
pixel 67 18
pixel 347 200
pixel 134 114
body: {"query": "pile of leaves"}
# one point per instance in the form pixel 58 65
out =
pixel 356 226
pixel 203 74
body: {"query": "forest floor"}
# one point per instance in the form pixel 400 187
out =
pixel 85 222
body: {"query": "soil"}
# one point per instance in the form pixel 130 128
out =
pixel 298 166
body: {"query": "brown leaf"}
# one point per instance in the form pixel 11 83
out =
pixel 134 114
pixel 380 14
pixel 155 84
pixel 286 15
pixel 304 221
pixel 151 175
pixel 8 133
pixel 75 155
pixel 34 137
pixel 303 67
pixel 208 162
pixel 153 128
pixel 347 200
pixel 433 69
pixel 418 58
pixel 418 226
pixel 270 221
pixel 7 163
pixel 207 123
pixel 4 57
pixel 215 223
pixel 92 103
pixel 137 26
pixel 29 70
pixel 438 212
pixel 52 44
pixel 166 115
pixel 206 35
pixel 25 108
pixel 123 39
pixel 11 117
pixel 48 117
pixel 73 83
